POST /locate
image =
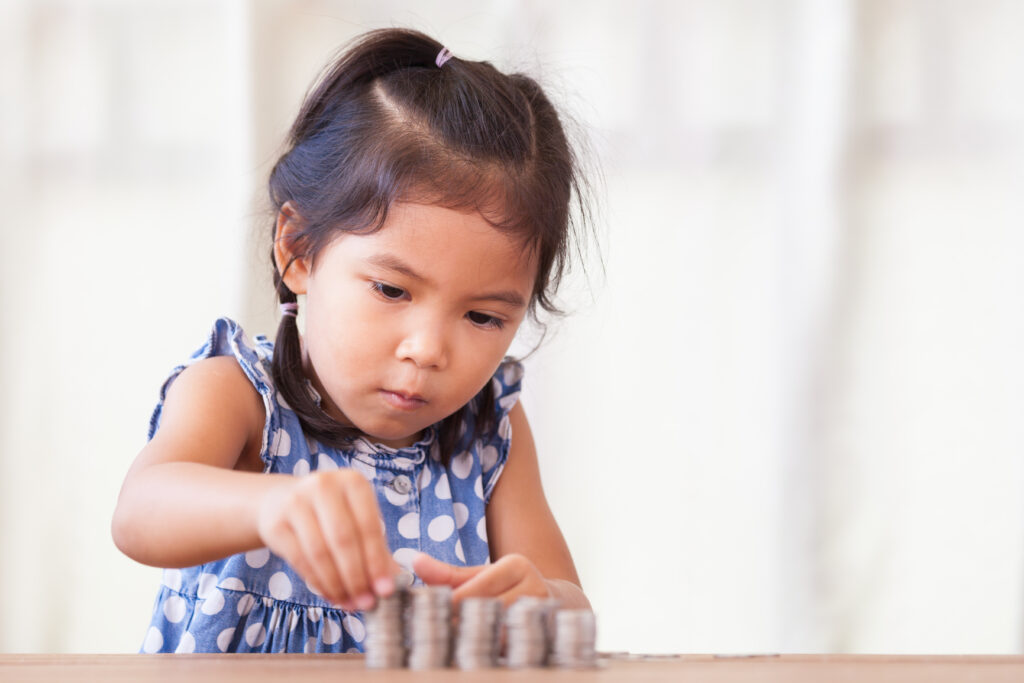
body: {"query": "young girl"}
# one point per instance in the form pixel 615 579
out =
pixel 422 208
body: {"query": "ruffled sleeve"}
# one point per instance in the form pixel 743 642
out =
pixel 227 338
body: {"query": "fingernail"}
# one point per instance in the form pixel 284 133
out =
pixel 364 601
pixel 385 585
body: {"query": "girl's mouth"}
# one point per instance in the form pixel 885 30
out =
pixel 402 401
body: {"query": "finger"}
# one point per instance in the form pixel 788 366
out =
pixel 287 546
pixel 435 572
pixel 343 543
pixel 380 565
pixel 494 582
pixel 307 529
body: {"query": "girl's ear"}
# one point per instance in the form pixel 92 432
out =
pixel 289 259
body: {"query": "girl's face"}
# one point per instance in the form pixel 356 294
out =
pixel 405 325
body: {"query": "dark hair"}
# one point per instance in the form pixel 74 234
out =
pixel 384 123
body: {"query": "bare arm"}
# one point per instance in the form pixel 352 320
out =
pixel 194 494
pixel 529 553
pixel 183 502
pixel 519 520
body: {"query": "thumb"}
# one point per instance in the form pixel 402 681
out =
pixel 435 572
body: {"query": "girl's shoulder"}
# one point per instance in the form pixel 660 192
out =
pixel 230 371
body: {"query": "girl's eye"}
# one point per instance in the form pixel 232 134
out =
pixel 387 291
pixel 484 320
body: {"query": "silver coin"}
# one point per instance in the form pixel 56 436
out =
pixel 529 628
pixel 575 636
pixel 478 639
pixel 385 642
pixel 428 627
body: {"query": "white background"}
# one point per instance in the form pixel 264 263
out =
pixel 784 416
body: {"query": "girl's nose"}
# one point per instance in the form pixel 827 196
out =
pixel 426 348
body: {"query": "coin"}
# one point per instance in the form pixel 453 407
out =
pixel 575 636
pixel 478 640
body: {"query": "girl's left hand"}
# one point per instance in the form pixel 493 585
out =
pixel 508 579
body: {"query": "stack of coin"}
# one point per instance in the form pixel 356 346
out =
pixel 575 636
pixel 428 626
pixel 385 632
pixel 479 629
pixel 530 628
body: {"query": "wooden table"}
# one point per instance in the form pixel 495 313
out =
pixel 632 669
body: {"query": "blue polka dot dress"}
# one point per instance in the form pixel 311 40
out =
pixel 254 601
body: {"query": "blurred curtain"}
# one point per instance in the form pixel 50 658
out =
pixel 784 417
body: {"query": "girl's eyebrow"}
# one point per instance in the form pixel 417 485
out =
pixel 392 262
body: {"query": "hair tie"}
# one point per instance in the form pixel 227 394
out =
pixel 443 56
pixel 291 309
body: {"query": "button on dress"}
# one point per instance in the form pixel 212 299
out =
pixel 254 601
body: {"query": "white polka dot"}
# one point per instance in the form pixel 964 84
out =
pixel 224 639
pixel 314 613
pixel 232 584
pixel 409 525
pixel 281 444
pixel 505 428
pixel 506 402
pixel 154 640
pixel 424 479
pixel 257 558
pixel 394 497
pixel 461 514
pixel 478 487
pixel 275 617
pixel 301 469
pixel 174 608
pixel 496 387
pixel 332 631
pixel 404 463
pixel 353 651
pixel 207 584
pixel 212 599
pixel 310 646
pixel 325 464
pixel 462 465
pixel 313 591
pixel 280 586
pixel 443 490
pixel 405 556
pixel 355 628
pixel 458 551
pixel 512 373
pixel 363 446
pixel 489 458
pixel 293 621
pixel 368 471
pixel 172 579
pixel 441 528
pixel 245 604
pixel 481 529
pixel 213 603
pixel 187 644
pixel 255 635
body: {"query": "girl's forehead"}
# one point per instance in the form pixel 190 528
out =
pixel 443 244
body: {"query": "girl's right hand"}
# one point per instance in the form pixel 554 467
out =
pixel 327 526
